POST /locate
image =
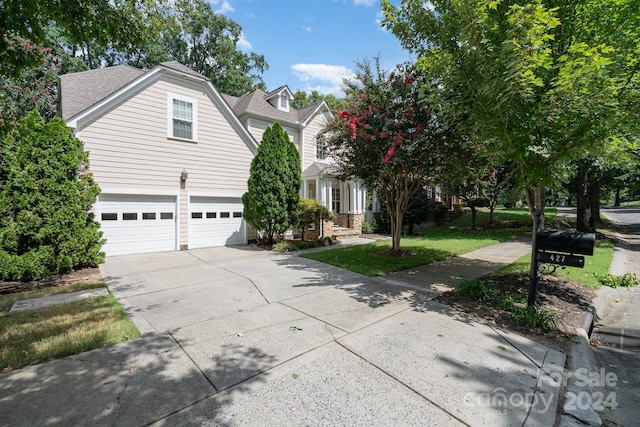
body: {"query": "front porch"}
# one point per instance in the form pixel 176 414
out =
pixel 346 199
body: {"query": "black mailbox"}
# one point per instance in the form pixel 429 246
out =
pixel 566 242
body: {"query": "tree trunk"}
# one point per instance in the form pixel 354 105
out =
pixel 617 202
pixel 474 215
pixel 584 222
pixel 594 196
pixel 535 201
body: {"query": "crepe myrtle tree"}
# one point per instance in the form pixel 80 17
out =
pixel 387 138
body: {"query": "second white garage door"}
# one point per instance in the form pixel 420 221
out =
pixel 215 222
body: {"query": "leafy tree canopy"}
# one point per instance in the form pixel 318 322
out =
pixel 302 99
pixel 140 33
pixel 542 81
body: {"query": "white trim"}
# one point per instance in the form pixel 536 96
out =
pixel 217 194
pixel 194 112
pixel 316 111
pixel 128 191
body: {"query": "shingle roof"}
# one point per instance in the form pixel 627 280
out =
pixel 82 90
pixel 320 168
pixel 256 103
pixel 175 65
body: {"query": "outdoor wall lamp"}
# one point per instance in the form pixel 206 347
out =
pixel 183 176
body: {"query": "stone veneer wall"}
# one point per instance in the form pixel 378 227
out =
pixel 350 221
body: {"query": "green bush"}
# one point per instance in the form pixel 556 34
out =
pixel 311 211
pixel 273 189
pixel 625 281
pixel 295 246
pixel 480 289
pixel 285 247
pixel 369 227
pixel 534 316
pixel 33 265
pixel 45 224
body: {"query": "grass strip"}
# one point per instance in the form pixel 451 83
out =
pixel 36 336
pixel 594 266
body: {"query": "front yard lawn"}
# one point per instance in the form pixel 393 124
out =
pixel 434 244
pixel 35 336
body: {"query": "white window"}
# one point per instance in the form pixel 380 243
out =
pixel 182 113
pixel 321 149
pixel 284 102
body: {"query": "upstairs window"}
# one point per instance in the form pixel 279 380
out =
pixel 284 102
pixel 321 149
pixel 182 117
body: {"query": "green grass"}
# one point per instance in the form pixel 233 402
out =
pixel 434 244
pixel 594 266
pixel 36 336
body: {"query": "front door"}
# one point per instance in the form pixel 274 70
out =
pixel 335 203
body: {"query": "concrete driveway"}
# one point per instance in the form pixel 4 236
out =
pixel 239 336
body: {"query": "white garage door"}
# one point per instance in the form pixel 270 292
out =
pixel 215 222
pixel 137 224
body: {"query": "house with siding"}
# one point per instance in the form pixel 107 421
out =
pixel 346 199
pixel 172 155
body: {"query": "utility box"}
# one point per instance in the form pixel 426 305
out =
pixel 566 242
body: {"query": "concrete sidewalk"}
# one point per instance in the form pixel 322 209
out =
pixel 612 396
pixel 236 336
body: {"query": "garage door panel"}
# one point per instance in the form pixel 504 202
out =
pixel 215 222
pixel 137 224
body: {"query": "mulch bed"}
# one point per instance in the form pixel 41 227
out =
pixel 568 299
pixel 84 275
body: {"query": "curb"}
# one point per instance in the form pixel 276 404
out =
pixel 583 357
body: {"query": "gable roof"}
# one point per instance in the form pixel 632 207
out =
pixel 175 65
pixel 276 92
pixel 83 89
pixel 117 89
pixel 256 103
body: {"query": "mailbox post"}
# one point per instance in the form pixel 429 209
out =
pixel 562 248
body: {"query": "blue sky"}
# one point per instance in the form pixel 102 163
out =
pixel 312 44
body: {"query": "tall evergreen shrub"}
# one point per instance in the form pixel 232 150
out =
pixel 46 226
pixel 271 202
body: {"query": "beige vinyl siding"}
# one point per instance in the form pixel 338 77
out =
pixel 309 145
pixel 129 148
pixel 257 128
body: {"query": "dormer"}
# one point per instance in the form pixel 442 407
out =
pixel 280 98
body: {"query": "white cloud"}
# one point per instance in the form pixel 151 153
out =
pixel 225 6
pixel 323 72
pixel 307 29
pixel 243 43
pixel 326 79
pixel 365 2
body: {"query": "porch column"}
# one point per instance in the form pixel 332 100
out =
pixel 322 191
pixel 354 198
pixel 328 194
